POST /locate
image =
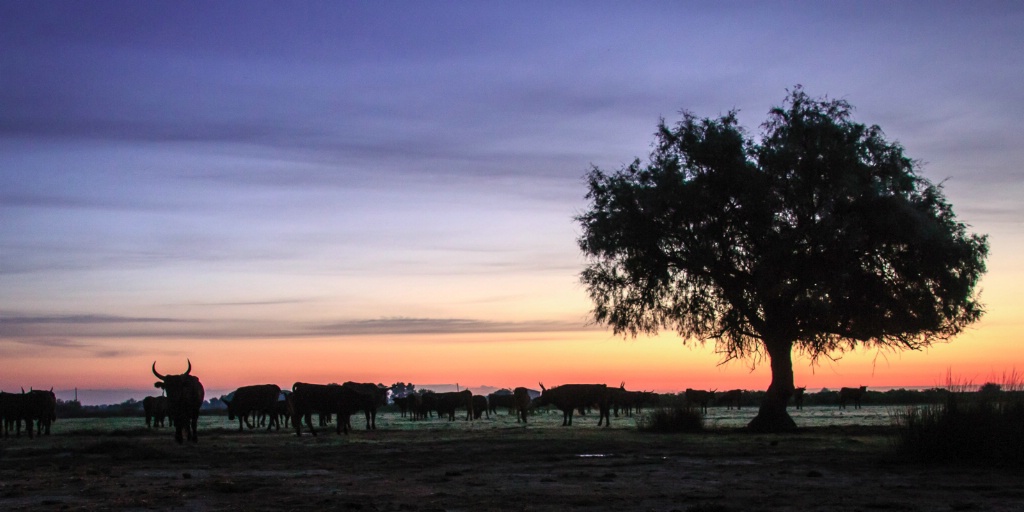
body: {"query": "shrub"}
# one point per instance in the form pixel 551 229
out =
pixel 984 427
pixel 677 418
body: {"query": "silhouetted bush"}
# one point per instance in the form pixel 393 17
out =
pixel 676 418
pixel 980 427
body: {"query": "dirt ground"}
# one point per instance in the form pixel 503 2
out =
pixel 435 467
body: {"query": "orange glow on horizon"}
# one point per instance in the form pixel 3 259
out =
pixel 661 364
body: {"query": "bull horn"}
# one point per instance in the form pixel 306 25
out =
pixel 161 377
pixel 189 367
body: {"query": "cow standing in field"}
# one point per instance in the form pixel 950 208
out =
pixel 448 402
pixel 621 399
pixel 35 406
pixel 523 402
pixel 281 408
pixel 851 395
pixel 570 397
pixel 323 400
pixel 254 400
pixel 403 404
pixel 11 405
pixel 185 395
pixel 41 407
pixel 646 398
pixel 480 407
pixel 421 403
pixel 629 402
pixel 371 396
pixel 501 398
pixel 155 408
pixel 798 397
pixel 699 398
pixel 732 398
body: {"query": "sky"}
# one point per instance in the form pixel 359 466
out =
pixel 386 191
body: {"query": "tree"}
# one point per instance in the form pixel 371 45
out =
pixel 818 236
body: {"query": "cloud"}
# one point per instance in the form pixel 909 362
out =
pixel 281 302
pixel 41 346
pixel 53 331
pixel 413 326
pixel 83 319
pixel 47 329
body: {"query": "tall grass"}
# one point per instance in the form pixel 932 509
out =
pixel 676 418
pixel 983 427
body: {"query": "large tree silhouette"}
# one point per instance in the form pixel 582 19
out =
pixel 819 235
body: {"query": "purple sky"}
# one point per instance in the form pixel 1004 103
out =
pixel 219 170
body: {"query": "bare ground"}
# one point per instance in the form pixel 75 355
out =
pixel 434 467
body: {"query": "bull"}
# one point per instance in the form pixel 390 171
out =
pixel 628 401
pixel 732 398
pixel 34 406
pixel 851 395
pixel 322 399
pixel 371 396
pixel 259 399
pixel 570 397
pixel 448 402
pixel 155 408
pixel 501 398
pixel 12 406
pixel 421 404
pixel 403 404
pixel 699 398
pixel 523 401
pixel 281 408
pixel 40 406
pixel 480 407
pixel 185 395
pixel 645 398
pixel 798 397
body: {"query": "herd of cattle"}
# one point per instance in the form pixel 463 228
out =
pixel 269 404
pixel 35 408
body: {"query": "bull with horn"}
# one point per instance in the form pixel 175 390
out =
pixel 185 396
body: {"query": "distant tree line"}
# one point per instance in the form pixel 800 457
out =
pixel 128 409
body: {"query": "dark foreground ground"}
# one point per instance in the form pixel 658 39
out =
pixel 500 467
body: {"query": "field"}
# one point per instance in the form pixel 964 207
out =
pixel 839 461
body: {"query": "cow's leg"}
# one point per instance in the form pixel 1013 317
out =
pixel 308 418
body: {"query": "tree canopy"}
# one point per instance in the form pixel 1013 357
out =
pixel 818 235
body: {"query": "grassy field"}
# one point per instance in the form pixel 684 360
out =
pixel 717 418
pixel 841 461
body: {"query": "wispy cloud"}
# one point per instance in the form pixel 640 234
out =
pixel 42 346
pixel 83 319
pixel 53 330
pixel 281 302
pixel 402 325
pixel 49 329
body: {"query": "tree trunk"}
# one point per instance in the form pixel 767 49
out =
pixel 772 416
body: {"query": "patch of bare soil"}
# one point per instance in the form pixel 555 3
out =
pixel 520 469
